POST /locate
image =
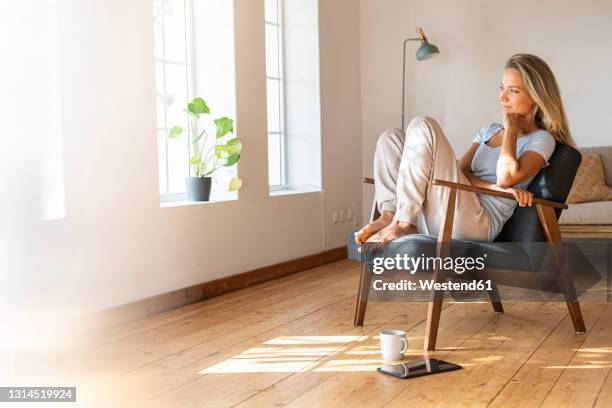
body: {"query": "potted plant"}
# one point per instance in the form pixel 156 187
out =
pixel 204 162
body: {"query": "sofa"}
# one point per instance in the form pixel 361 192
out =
pixel 592 213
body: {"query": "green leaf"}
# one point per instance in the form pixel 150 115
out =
pixel 229 160
pixel 234 184
pixel 194 160
pixel 224 126
pixel 175 132
pixel 221 151
pixel 198 106
pixel 187 111
pixel 234 146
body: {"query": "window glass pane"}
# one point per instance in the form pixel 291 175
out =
pixel 161 160
pixel 174 31
pixel 178 164
pixel 176 94
pixel 274 155
pixel 273 105
pixel 272 10
pixel 159 19
pixel 159 92
pixel 272 51
pixel 171 82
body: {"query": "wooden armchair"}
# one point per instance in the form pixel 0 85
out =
pixel 527 225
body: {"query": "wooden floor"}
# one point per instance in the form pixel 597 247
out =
pixel 292 342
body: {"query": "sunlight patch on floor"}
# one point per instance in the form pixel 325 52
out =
pixel 283 354
pixel 605 365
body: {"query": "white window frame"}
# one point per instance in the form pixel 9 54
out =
pixel 282 133
pixel 188 17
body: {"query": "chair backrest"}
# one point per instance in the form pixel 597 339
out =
pixel 552 183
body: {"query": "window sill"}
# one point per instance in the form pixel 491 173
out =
pixel 181 203
pixel 295 190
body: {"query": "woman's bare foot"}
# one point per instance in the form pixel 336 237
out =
pixel 372 228
pixel 394 230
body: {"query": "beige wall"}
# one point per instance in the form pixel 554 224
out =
pixel 460 87
pixel 115 244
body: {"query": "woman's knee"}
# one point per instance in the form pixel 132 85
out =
pixel 420 120
pixel 392 136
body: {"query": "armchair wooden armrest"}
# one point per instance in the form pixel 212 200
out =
pixel 495 193
pixel 480 190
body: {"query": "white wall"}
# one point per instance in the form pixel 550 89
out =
pixel 460 86
pixel 115 244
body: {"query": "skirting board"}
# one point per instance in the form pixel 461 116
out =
pixel 191 294
pixel 595 230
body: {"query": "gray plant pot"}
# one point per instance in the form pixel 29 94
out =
pixel 198 188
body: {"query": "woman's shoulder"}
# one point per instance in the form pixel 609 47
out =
pixel 487 131
pixel 540 141
pixel 542 134
pixel 539 137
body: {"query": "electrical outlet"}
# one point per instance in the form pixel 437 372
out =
pixel 342 216
pixel 349 214
pixel 334 216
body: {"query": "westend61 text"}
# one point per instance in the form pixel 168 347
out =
pixel 475 285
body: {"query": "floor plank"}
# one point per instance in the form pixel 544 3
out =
pixel 583 377
pixel 368 388
pixel 291 342
pixel 484 357
pixel 539 373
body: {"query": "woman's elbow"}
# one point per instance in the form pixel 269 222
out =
pixel 507 175
pixel 505 179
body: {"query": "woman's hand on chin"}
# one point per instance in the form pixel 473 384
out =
pixel 515 123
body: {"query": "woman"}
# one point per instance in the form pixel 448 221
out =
pixel 502 157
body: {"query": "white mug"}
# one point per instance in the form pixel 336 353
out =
pixel 393 344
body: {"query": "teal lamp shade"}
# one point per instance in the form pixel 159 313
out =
pixel 426 51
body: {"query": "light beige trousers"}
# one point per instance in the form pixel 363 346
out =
pixel 405 165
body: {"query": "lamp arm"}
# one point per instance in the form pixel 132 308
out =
pixel 404 77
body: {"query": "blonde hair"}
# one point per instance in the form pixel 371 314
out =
pixel 542 87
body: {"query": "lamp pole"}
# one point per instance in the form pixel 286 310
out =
pixel 404 78
pixel 426 51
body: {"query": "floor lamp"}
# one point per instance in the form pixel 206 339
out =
pixel 425 51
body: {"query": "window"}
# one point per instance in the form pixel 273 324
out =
pixel 292 79
pixel 274 86
pixel 194 57
pixel 173 71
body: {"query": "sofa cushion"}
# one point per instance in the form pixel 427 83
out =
pixel 590 184
pixel 599 212
pixel 605 152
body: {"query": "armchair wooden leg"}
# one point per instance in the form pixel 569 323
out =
pixel 548 219
pixel 433 321
pixel 442 251
pixel 362 293
pixel 576 314
pixel 495 299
